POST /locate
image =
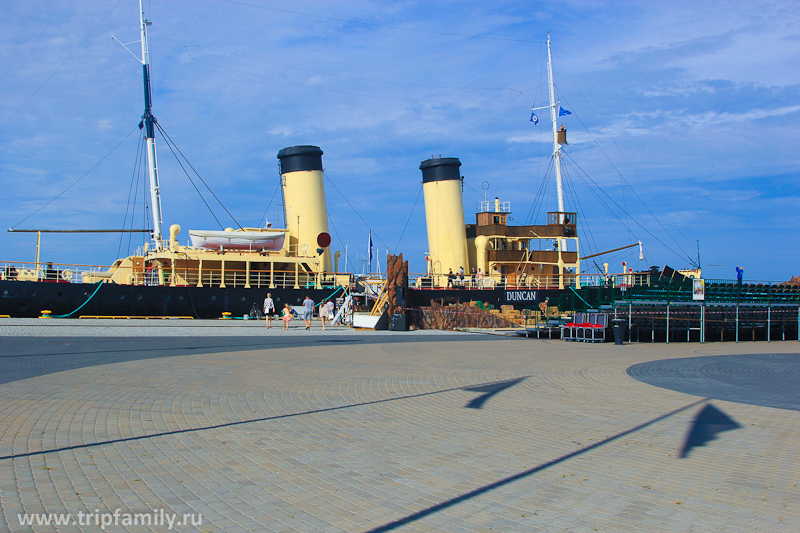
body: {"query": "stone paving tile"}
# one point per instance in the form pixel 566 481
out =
pixel 55 327
pixel 346 436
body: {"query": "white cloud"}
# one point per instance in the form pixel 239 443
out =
pixel 689 92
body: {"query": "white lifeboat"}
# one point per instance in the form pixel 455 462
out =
pixel 237 240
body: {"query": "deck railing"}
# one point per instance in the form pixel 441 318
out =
pixel 583 290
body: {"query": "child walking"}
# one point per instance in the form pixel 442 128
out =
pixel 286 316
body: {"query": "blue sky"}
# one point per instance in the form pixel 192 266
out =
pixel 685 119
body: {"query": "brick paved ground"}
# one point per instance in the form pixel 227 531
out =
pixel 358 432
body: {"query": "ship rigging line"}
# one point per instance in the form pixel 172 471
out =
pixel 425 101
pixel 615 203
pixel 354 209
pixel 538 200
pixel 77 180
pixel 371 80
pixel 409 218
pixel 264 216
pixel 375 25
pixel 341 242
pixel 590 242
pixel 623 154
pixel 190 179
pixel 631 188
pixel 59 67
pixel 134 177
pixel 169 140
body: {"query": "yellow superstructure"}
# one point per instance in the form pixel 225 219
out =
pixel 540 256
pixel 295 263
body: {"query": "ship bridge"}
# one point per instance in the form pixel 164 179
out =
pixel 532 256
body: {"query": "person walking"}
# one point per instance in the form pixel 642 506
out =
pixel 269 309
pixel 308 311
pixel 323 312
pixel 286 316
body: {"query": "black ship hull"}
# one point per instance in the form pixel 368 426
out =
pixel 519 298
pixel 29 298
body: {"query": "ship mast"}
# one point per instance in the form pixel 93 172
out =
pixel 553 119
pixel 148 123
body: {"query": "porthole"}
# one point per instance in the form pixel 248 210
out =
pixel 180 297
pixel 166 297
pixel 213 298
pixel 139 297
pixel 242 298
pixel 60 293
pixel 121 296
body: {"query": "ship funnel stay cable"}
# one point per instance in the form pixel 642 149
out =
pixel 170 141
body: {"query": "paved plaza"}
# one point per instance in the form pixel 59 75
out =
pixel 359 431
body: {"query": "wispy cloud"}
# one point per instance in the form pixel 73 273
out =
pixel 685 93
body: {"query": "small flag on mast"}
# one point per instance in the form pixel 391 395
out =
pixel 563 112
pixel 534 118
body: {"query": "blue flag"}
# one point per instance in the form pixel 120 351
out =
pixel 534 118
pixel 370 246
pixel 562 112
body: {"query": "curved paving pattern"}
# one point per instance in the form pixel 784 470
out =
pixel 385 436
pixel 769 380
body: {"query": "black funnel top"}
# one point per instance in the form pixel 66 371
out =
pixel 297 158
pixel 441 169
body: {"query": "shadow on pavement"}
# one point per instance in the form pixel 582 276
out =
pixel 708 422
pixel 521 475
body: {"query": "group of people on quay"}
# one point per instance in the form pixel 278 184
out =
pixel 326 308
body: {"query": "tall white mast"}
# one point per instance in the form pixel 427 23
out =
pixel 554 106
pixel 148 123
pixel 553 119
